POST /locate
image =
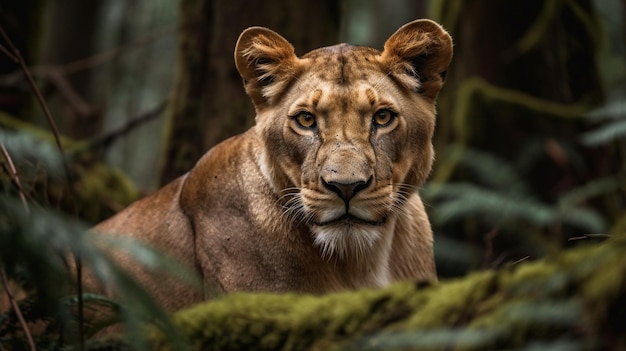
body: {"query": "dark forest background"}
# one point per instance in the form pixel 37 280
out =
pixel 530 140
pixel 531 136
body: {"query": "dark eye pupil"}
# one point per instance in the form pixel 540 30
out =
pixel 382 117
pixel 305 119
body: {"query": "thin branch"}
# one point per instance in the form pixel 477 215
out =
pixel 58 79
pixel 42 103
pixel 489 238
pixel 110 55
pixel 105 139
pixel 55 76
pixel 12 172
pixel 67 91
pixel 16 309
pixel 17 56
pixel 8 53
pixel 79 291
pixel 89 62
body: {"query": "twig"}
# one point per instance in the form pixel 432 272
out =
pixel 7 53
pixel 57 74
pixel 16 309
pixel 54 75
pixel 589 236
pixel 489 237
pixel 18 59
pixel 110 55
pixel 65 88
pixel 107 138
pixel 12 172
pixel 520 260
pixel 89 62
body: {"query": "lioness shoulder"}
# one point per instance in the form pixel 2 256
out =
pixel 320 195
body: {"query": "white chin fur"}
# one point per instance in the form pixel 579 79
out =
pixel 347 240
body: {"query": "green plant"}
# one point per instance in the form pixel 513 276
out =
pixel 37 246
pixel 492 196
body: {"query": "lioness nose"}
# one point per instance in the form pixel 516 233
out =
pixel 346 190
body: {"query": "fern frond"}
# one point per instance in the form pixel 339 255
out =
pixel 615 109
pixel 461 200
pixel 491 170
pixel 614 113
pixel 590 190
pixel 608 133
pixel 27 148
pixel 37 242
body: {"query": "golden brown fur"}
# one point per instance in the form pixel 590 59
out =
pixel 319 195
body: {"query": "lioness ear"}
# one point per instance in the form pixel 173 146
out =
pixel 266 61
pixel 418 55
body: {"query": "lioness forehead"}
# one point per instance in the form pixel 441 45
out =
pixel 343 63
pixel 344 78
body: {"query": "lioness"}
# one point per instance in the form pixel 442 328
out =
pixel 319 195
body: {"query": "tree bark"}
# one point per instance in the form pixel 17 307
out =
pixel 70 35
pixel 21 21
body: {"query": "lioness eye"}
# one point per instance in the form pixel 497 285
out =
pixel 383 117
pixel 305 120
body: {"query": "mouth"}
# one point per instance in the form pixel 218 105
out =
pixel 348 219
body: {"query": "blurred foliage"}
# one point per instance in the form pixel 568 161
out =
pixel 493 193
pixel 531 141
pixel 35 245
pixel 612 120
pixel 93 191
pixel 38 243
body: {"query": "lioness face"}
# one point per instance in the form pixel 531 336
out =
pixel 348 129
pixel 357 142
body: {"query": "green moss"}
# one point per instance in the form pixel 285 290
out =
pixel 99 190
pixel 102 190
pixel 268 321
pixel 13 123
pixel 551 298
pixel 447 303
pixel 572 300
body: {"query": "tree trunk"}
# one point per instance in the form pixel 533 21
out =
pixel 21 21
pixel 208 103
pixel 70 35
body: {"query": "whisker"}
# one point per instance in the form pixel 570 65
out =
pixel 291 203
